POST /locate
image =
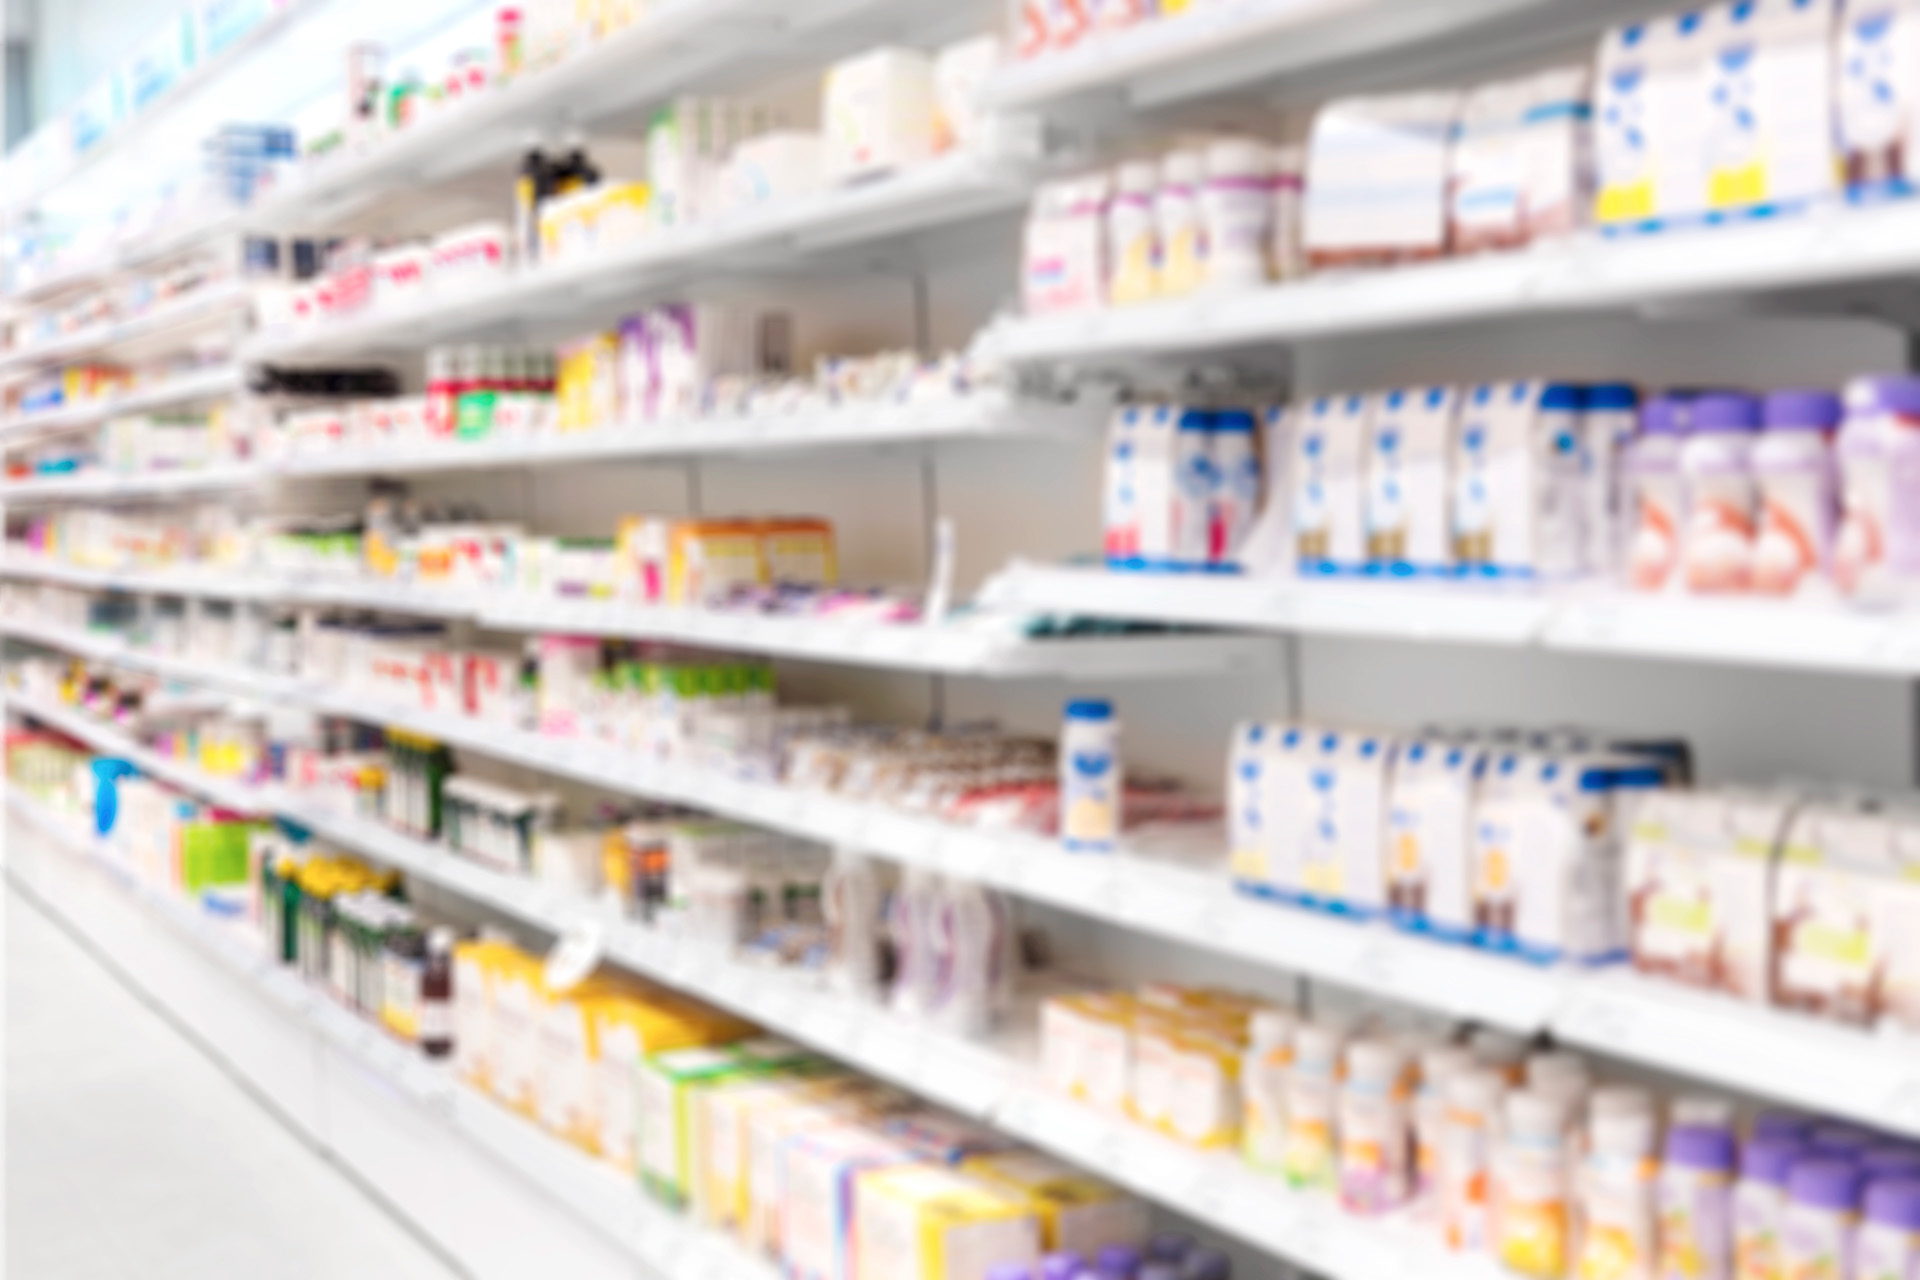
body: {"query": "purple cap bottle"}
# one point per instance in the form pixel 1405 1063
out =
pixel 1826 1184
pixel 1207 1264
pixel 1840 1140
pixel 1117 1262
pixel 1893 393
pixel 1170 1246
pixel 1725 412
pixel 1894 1202
pixel 1803 410
pixel 1781 1124
pixel 1010 1271
pixel 1061 1266
pixel 1769 1160
pixel 1693 1146
pixel 1886 1161
pixel 1667 415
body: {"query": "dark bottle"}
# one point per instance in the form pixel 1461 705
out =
pixel 436 995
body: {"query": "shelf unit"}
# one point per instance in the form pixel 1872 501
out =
pixel 212 383
pixel 205 306
pixel 111 486
pixel 1184 896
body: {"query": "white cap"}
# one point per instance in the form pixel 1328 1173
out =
pixel 1290 160
pixel 1440 1062
pixel 1619 1100
pixel 1557 1068
pixel 1497 1048
pixel 1137 178
pixel 1531 1114
pixel 1477 1089
pixel 1184 167
pixel 1316 1047
pixel 1239 158
pixel 1375 1064
pixel 1270 1028
pixel 1629 1133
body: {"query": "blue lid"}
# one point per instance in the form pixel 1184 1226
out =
pixel 1234 420
pixel 1090 709
pixel 1612 396
pixel 1561 396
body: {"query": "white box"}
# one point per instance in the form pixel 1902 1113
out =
pixel 1328 483
pixel 1411 442
pixel 878 114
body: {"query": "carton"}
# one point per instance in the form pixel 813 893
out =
pixel 1770 94
pixel 1518 492
pixel 1879 96
pixel 1843 892
pixel 1077 1213
pixel 877 114
pixel 1409 446
pixel 1521 167
pixel 1699 871
pixel 1430 809
pixel 665 1089
pixel 1652 127
pixel 924 1222
pixel 1329 466
pixel 1087 1047
pixel 1376 181
pixel 1345 826
pixel 820 1170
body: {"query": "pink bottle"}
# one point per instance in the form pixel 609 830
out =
pixel 1716 465
pixel 1799 492
pixel 1877 550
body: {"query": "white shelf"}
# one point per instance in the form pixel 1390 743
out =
pixel 952 189
pixel 550 1171
pixel 214 586
pixel 1792 1059
pixel 213 383
pixel 201 307
pixel 108 486
pixel 1583 619
pixel 959 649
pixel 988 415
pixel 1587 273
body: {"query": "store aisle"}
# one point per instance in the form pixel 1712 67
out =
pixel 131 1155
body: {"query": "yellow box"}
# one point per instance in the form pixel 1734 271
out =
pixel 518 995
pixel 1077 1212
pixel 772 1126
pixel 928 1222
pixel 626 1028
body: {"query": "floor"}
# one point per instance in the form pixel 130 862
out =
pixel 131 1156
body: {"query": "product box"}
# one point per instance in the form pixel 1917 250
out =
pixel 1275 863
pixel 1077 1212
pixel 1652 127
pixel 1345 827
pixel 771 1127
pixel 1878 70
pixel 1521 167
pixel 1410 445
pixel 1770 99
pixel 1087 1048
pixel 518 1001
pixel 707 559
pixel 1547 851
pixel 820 1169
pixel 1376 180
pixel 799 552
pixel 960 71
pixel 925 1222
pixel 1431 799
pixel 1329 483
pixel 1519 493
pixel 1699 880
pixel 1846 900
pixel 878 114
pixel 667 1084
pixel 774 168
pixel 725 1118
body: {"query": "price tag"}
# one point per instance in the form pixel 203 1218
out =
pixel 576 955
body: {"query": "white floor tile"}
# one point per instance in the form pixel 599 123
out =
pixel 130 1155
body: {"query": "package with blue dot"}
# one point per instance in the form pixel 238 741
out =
pixel 1519 494
pixel 1329 478
pixel 1409 445
pixel 1770 134
pixel 1651 125
pixel 1879 95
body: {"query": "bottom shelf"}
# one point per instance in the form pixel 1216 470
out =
pixel 493 1190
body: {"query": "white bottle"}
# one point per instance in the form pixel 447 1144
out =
pixel 1289 213
pixel 850 901
pixel 1090 778
pixel 1533 1222
pixel 1475 1100
pixel 1376 1128
pixel 1655 499
pixel 1236 206
pixel 1133 235
pixel 1438 1065
pixel 1236 487
pixel 1618 1205
pixel 1606 430
pixel 1263 1081
pixel 1176 208
pixel 1716 465
pixel 1793 465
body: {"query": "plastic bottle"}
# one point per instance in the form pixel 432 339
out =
pixel 1376 1133
pixel 1090 778
pixel 1236 207
pixel 1842 1140
pixel 1207 1264
pixel 1176 208
pixel 1888 1247
pixel 1531 1193
pixel 1696 1229
pixel 436 995
pixel 1263 1082
pixel 1799 492
pixel 1009 1271
pixel 851 903
pixel 1608 419
pixel 1876 552
pixel 1235 469
pixel 1716 464
pixel 1289 215
pixel 1313 1090
pixel 1061 1266
pixel 1760 1205
pixel 1618 1215
pixel 1133 235
pixel 1438 1064
pixel 1654 496
pixel 1822 1217
pixel 1475 1099
pixel 1785 1125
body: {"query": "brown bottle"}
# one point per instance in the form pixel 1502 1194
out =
pixel 436 995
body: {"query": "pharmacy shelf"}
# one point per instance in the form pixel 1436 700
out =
pixel 183 583
pixel 976 648
pixel 989 415
pixel 110 649
pixel 943 192
pixel 1870 1077
pixel 214 383
pixel 194 310
pixel 551 1172
pixel 680 45
pixel 108 486
pixel 1848 249
pixel 1218 49
pixel 1806 635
